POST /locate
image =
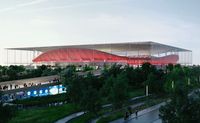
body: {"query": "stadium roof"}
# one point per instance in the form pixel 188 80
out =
pixel 129 46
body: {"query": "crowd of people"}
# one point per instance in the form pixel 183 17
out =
pixel 6 87
pixel 16 86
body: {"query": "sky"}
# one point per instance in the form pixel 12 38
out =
pixel 30 23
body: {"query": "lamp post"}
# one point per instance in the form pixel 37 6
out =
pixel 147 90
pixel 188 81
pixel 172 84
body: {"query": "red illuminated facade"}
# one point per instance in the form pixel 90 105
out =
pixel 77 55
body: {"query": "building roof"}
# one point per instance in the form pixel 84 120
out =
pixel 153 47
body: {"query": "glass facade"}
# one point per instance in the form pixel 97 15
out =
pixel 133 53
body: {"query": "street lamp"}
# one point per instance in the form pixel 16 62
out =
pixel 147 90
pixel 172 84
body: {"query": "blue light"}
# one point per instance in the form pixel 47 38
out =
pixel 53 90
pixel 28 93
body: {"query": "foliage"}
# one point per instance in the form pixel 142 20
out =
pixel 90 99
pixel 87 68
pixel 68 74
pixel 178 75
pixel 184 104
pixel 114 70
pixel 119 91
pixel 182 108
pixel 106 89
pixel 14 72
pixel 155 81
pixel 84 91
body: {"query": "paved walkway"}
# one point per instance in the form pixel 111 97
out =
pixel 107 114
pixel 149 115
pixel 72 116
pixel 68 118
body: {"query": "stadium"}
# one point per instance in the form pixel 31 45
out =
pixel 132 53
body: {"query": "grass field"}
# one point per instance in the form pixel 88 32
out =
pixel 43 115
pixel 136 92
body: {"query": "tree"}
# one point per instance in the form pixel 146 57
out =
pixel 87 68
pixel 196 74
pixel 131 75
pixel 67 74
pixel 114 70
pixel 75 89
pixel 13 71
pixel 107 86
pixel 155 81
pixel 119 91
pixel 83 91
pixel 184 106
pixel 90 101
pixel 174 78
pixel 169 67
pixel 147 68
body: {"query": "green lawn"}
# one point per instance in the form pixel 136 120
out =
pixel 43 115
pixel 136 92
pixel 131 94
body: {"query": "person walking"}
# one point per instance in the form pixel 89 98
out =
pixel 136 113
pixel 126 116
pixel 130 110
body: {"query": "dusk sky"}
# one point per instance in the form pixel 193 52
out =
pixel 65 22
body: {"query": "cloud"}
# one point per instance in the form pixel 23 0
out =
pixel 79 3
pixel 31 3
pixel 35 2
